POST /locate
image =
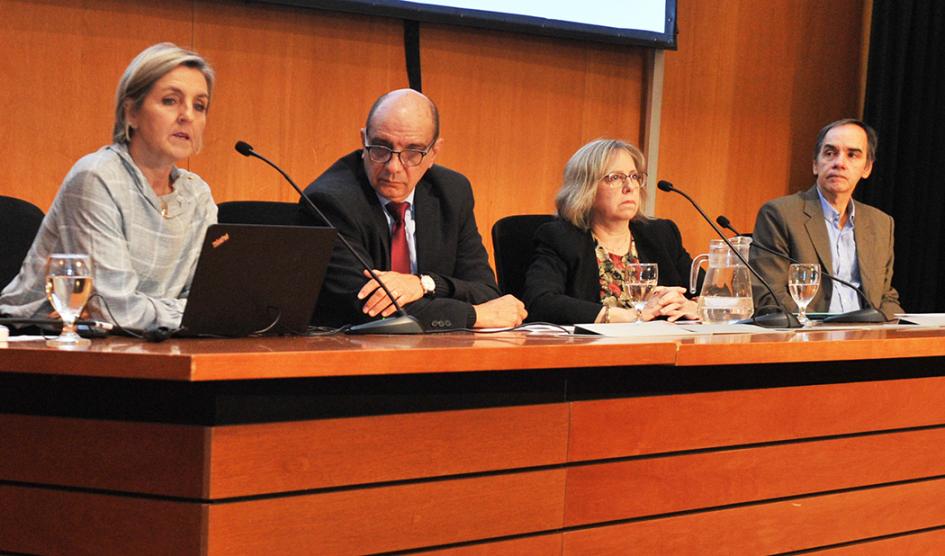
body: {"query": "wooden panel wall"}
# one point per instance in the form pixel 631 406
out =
pixel 294 83
pixel 515 108
pixel 61 64
pixel 743 95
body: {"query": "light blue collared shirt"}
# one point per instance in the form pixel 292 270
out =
pixel 409 223
pixel 843 253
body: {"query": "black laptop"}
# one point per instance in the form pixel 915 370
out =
pixel 254 279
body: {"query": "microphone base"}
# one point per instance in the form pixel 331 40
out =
pixel 404 324
pixel 860 316
pixel 776 319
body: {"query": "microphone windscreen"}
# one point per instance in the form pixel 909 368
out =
pixel 722 221
pixel 665 185
pixel 244 148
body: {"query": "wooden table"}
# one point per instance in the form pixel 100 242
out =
pixel 476 444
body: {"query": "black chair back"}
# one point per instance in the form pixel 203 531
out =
pixel 259 212
pixel 19 222
pixel 513 246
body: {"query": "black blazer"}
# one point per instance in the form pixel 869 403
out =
pixel 562 284
pixel 449 247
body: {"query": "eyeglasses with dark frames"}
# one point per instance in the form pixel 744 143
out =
pixel 408 157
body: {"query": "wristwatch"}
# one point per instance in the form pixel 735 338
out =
pixel 428 285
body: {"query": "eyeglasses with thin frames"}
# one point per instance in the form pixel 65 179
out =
pixel 619 180
pixel 408 157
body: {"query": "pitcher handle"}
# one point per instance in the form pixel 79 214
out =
pixel 694 271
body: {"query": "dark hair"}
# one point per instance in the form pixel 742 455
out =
pixel 872 140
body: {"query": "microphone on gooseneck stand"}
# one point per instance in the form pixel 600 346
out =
pixel 725 223
pixel 782 319
pixel 402 323
pixel 869 313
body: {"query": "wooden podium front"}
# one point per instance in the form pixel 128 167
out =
pixel 476 444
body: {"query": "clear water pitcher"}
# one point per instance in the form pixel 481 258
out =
pixel 726 290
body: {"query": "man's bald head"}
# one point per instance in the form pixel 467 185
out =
pixel 400 123
pixel 405 100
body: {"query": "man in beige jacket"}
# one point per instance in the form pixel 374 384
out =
pixel 823 225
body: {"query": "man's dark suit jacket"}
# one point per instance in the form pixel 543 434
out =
pixel 563 281
pixel 794 225
pixel 448 245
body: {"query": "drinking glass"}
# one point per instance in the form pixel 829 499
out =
pixel 68 286
pixel 641 279
pixel 803 282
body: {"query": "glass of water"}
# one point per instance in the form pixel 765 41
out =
pixel 68 286
pixel 641 279
pixel 803 283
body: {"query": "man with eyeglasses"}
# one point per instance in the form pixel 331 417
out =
pixel 414 223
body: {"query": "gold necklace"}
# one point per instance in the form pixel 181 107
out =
pixel 623 244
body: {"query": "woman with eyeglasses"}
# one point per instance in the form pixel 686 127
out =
pixel 577 274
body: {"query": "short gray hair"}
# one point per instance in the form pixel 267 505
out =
pixel 583 173
pixel 144 71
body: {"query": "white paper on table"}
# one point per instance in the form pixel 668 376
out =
pixel 922 319
pixel 27 338
pixel 634 329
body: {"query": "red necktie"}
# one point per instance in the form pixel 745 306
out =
pixel 399 253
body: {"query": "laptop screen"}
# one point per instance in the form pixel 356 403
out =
pixel 255 279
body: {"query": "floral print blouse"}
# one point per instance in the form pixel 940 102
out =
pixel 613 274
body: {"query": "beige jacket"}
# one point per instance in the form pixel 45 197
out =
pixel 795 225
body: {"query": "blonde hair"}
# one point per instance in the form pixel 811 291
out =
pixel 583 173
pixel 143 72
